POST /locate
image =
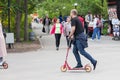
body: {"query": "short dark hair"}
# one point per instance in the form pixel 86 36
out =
pixel 89 12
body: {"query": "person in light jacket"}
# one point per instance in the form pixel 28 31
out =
pixel 67 29
pixel 3 51
pixel 88 19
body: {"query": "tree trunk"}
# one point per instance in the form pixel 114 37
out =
pixel 17 22
pixel 25 21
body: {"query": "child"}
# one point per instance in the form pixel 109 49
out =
pixel 67 29
pixel 57 29
pixel 3 51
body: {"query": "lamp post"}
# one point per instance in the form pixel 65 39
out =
pixel 75 4
pixel 64 7
pixel 9 45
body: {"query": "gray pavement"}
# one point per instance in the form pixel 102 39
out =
pixel 45 63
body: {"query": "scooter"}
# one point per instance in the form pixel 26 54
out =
pixel 66 66
pixel 4 65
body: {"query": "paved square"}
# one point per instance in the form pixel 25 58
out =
pixel 45 63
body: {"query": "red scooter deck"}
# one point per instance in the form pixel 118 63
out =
pixel 66 66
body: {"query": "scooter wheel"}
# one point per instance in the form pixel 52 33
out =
pixel 63 68
pixel 5 65
pixel 88 68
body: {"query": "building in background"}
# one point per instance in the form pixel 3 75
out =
pixel 112 8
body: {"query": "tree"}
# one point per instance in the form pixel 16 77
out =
pixel 17 21
pixel 54 7
pixel 26 20
pixel 105 9
pixel 4 12
pixel 20 9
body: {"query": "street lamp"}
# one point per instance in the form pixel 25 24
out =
pixel 64 7
pixel 57 9
pixel 8 15
pixel 75 4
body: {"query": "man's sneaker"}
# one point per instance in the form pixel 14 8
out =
pixel 57 48
pixel 78 66
pixel 98 40
pixel 92 39
pixel 94 65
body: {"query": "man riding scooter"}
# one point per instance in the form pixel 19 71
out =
pixel 80 40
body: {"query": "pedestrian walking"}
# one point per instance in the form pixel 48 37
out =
pixel 88 19
pixel 61 18
pixel 116 28
pixel 57 29
pixel 3 51
pixel 96 28
pixel 67 29
pixel 46 23
pixel 80 40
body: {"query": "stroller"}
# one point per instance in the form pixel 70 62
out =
pixel 116 32
pixel 90 29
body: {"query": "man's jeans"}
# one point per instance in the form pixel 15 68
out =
pixel 96 31
pixel 1 59
pixel 78 47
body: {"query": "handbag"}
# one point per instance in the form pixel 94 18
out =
pixel 99 23
pixel 43 29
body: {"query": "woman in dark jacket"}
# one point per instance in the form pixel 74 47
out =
pixel 46 23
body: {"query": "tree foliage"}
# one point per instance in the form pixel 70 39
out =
pixel 55 7
pixel 43 7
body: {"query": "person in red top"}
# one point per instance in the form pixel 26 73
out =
pixel 57 29
pixel 81 20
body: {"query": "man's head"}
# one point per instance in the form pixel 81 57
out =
pixel 46 16
pixel 73 13
pixel 89 12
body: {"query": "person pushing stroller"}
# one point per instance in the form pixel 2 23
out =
pixel 116 28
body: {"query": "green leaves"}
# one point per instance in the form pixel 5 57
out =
pixel 55 7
